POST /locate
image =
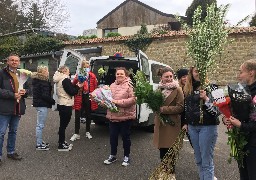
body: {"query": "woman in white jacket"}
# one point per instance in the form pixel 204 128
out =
pixel 65 92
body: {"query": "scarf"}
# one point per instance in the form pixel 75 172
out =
pixel 167 88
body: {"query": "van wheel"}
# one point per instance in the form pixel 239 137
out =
pixel 149 128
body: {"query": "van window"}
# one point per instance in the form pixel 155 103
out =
pixel 154 70
pixel 72 63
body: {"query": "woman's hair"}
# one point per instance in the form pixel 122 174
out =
pixel 62 69
pixel 84 62
pixel 161 71
pixel 250 65
pixel 41 68
pixel 188 88
pixel 126 72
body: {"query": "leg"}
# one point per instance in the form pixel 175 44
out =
pixel 4 121
pixel 251 162
pixel 65 113
pixel 13 126
pixel 243 171
pixel 114 131
pixel 163 151
pixel 126 132
pixel 194 136
pixel 207 140
pixel 41 118
pixel 87 110
pixel 77 121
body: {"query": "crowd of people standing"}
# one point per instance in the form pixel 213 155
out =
pixel 181 104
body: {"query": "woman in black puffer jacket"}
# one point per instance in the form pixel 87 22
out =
pixel 42 100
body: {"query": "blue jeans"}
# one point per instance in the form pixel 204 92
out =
pixel 41 118
pixel 13 122
pixel 203 139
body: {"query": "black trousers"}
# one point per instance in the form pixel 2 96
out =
pixel 163 151
pixel 124 128
pixel 248 172
pixel 65 113
pixel 84 113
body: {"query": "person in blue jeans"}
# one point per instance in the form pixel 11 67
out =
pixel 203 134
pixel 42 100
pixel 12 106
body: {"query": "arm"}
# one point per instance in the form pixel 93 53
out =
pixel 75 81
pixel 4 93
pixel 178 108
pixel 127 102
pixel 69 87
pixel 248 127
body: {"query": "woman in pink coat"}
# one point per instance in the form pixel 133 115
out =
pixel 121 121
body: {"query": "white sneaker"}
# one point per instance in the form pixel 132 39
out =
pixel 215 178
pixel 75 137
pixel 88 135
pixel 126 161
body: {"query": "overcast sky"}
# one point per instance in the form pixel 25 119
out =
pixel 84 14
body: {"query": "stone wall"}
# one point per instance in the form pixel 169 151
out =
pixel 172 51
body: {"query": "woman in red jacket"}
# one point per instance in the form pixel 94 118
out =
pixel 83 105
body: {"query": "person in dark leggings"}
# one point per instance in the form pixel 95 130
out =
pixel 65 92
pixel 247 75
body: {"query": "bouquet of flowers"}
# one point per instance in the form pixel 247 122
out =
pixel 103 95
pixel 154 99
pixel 23 76
pixel 238 104
pixel 83 74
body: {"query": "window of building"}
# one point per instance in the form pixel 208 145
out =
pixel 106 31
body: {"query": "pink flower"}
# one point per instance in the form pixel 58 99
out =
pixel 254 100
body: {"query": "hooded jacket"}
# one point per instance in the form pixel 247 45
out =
pixel 42 89
pixel 65 89
pixel 123 93
pixel 8 103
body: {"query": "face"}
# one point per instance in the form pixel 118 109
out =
pixel 120 75
pixel 183 80
pixel 66 71
pixel 45 72
pixel 13 62
pixel 167 77
pixel 86 65
pixel 195 74
pixel 245 76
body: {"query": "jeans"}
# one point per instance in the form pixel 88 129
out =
pixel 41 118
pixel 13 122
pixel 65 113
pixel 203 139
pixel 123 127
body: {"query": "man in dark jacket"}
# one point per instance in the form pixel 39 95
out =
pixel 12 105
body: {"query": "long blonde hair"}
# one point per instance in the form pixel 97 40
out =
pixel 84 62
pixel 188 88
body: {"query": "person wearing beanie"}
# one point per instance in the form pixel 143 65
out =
pixel 182 76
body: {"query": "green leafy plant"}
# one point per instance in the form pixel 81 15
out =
pixel 113 34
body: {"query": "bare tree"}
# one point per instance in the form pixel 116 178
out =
pixel 48 14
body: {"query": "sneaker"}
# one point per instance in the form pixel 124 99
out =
pixel 63 147
pixel 46 144
pixel 215 178
pixel 75 137
pixel 88 135
pixel 42 147
pixel 82 120
pixel 110 160
pixel 14 156
pixel 126 161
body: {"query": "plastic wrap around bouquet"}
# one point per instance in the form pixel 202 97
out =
pixel 83 74
pixel 103 95
pixel 23 76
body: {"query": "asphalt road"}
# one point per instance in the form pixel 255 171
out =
pixel 85 161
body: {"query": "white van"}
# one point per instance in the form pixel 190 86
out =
pixel 145 116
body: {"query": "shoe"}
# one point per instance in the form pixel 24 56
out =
pixel 75 137
pixel 69 145
pixel 110 160
pixel 215 178
pixel 92 122
pixel 82 120
pixel 126 161
pixel 42 147
pixel 14 156
pixel 46 144
pixel 88 135
pixel 63 147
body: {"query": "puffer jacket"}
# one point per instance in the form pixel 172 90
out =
pixel 65 89
pixel 124 95
pixel 8 103
pixel 192 109
pixel 92 86
pixel 250 125
pixel 41 91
